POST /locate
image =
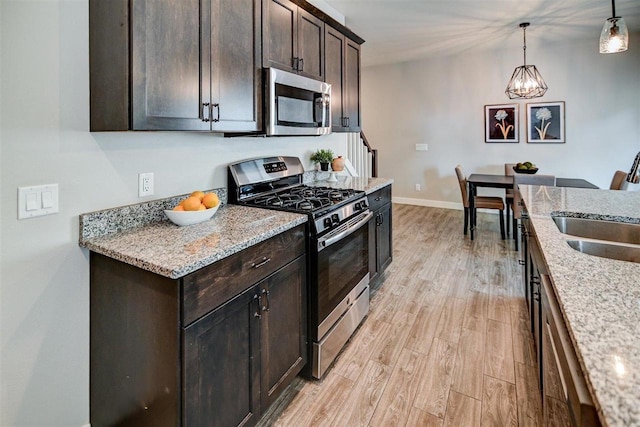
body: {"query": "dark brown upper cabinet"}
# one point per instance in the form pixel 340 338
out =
pixel 293 39
pixel 167 65
pixel 342 71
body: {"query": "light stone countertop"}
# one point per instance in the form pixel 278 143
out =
pixel 142 236
pixel 368 185
pixel 599 297
pixel 166 249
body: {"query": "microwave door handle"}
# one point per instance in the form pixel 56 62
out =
pixel 326 100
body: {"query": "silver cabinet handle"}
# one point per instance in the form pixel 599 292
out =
pixel 206 112
pixel 264 261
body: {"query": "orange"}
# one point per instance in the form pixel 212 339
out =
pixel 202 208
pixel 210 200
pixel 191 203
pixel 199 194
pixel 178 208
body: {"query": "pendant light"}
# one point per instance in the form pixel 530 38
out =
pixel 615 36
pixel 526 81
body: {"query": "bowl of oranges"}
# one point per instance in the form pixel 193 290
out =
pixel 198 207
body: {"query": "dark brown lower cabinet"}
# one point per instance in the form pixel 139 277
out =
pixel 239 357
pixel 565 396
pixel 191 351
pixel 222 365
pixel 380 233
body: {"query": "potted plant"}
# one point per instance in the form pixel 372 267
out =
pixel 323 157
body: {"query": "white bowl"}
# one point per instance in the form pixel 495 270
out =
pixel 183 218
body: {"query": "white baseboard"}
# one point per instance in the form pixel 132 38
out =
pixel 428 203
pixel 435 204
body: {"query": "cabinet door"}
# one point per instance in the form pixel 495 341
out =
pixel 351 88
pixel 167 91
pixel 384 238
pixel 284 326
pixel 221 365
pixel 279 41
pixel 310 45
pixel 235 64
pixel 334 75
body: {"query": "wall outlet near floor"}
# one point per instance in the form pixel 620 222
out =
pixel 145 184
pixel 418 187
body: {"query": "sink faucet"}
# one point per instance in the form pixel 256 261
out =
pixel 633 173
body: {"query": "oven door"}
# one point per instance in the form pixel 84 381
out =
pixel 341 263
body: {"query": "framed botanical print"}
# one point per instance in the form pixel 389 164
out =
pixel 545 122
pixel 501 123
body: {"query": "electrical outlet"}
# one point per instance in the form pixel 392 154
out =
pixel 418 188
pixel 145 184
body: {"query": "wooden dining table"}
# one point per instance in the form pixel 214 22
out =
pixel 476 180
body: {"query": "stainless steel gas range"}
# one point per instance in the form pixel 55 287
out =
pixel 338 246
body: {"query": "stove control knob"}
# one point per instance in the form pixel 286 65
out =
pixel 327 222
pixel 357 206
pixel 364 204
pixel 335 218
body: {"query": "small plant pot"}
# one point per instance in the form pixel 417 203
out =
pixel 324 166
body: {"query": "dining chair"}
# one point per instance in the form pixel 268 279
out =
pixel 508 195
pixel 619 181
pixel 518 178
pixel 482 202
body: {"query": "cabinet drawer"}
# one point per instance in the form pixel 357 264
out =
pixel 379 198
pixel 211 286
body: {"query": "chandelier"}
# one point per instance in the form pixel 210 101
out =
pixel 526 81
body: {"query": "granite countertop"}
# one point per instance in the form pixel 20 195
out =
pixel 142 236
pixel 599 297
pixel 368 185
pixel 166 249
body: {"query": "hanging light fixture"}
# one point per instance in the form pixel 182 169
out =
pixel 526 81
pixel 615 36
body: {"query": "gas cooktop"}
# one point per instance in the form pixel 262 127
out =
pixel 305 199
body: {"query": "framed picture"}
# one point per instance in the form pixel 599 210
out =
pixel 501 123
pixel 545 122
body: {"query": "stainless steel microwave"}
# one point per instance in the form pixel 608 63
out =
pixel 296 105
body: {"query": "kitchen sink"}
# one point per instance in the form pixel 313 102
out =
pixel 621 232
pixel 602 249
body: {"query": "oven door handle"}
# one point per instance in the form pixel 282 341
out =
pixel 325 242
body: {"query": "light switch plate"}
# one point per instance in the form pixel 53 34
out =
pixel 37 200
pixel 422 147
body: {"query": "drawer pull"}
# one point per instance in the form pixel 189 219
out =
pixel 264 261
pixel 266 298
pixel 521 262
pixel 377 199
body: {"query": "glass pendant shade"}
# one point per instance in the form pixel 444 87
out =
pixel 526 81
pixel 615 36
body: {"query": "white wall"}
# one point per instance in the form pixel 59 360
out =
pixel 44 274
pixel 441 102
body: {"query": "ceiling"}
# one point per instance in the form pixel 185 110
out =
pixel 405 30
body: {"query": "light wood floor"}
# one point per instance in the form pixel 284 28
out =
pixel 446 342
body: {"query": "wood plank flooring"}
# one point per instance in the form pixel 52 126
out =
pixel 445 343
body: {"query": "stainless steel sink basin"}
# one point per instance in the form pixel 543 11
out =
pixel 607 250
pixel 611 231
